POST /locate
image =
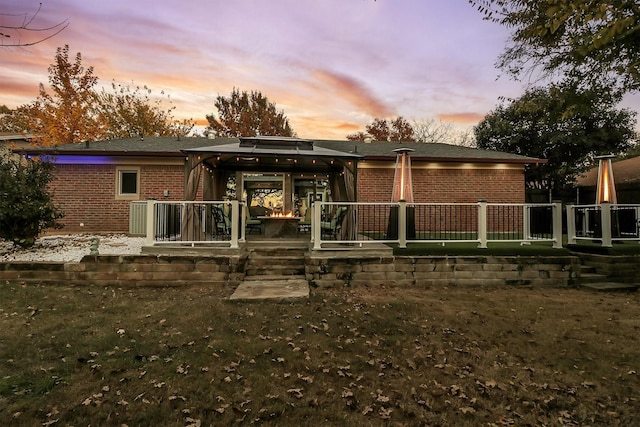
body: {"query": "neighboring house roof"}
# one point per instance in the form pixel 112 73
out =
pixel 624 172
pixel 377 150
pixel 15 140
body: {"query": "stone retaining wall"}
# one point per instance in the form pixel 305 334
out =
pixel 324 271
pixel 130 270
pixel 442 271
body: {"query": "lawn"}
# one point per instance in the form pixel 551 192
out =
pixel 348 356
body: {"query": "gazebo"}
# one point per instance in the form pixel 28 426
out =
pixel 294 158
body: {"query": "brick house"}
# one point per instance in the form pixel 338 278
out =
pixel 97 181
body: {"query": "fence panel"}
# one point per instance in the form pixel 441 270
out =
pixel 195 222
pixel 436 223
pixel 445 222
pixel 603 223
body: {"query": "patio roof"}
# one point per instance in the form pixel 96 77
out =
pixel 273 154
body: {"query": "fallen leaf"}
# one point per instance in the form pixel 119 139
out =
pixel 296 392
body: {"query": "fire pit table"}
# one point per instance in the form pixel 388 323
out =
pixel 280 226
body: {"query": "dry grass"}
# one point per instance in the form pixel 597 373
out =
pixel 464 357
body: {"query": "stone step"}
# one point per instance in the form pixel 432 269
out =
pixel 611 286
pixel 277 254
pixel 280 259
pixel 271 289
pixel 585 269
pixel 282 270
pixel 274 277
pixel 592 278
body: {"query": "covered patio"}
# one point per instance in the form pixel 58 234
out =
pixel 287 165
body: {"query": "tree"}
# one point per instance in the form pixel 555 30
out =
pixel 396 130
pixel 73 112
pixel 11 32
pixel 634 150
pixel 566 125
pixel 25 204
pixel 247 114
pixel 439 131
pixel 16 121
pixel 67 115
pixel 129 112
pixel 585 41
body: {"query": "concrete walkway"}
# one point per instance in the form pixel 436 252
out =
pixel 271 289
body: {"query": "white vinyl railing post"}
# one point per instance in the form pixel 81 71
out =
pixel 315 223
pixel 402 224
pixel 482 224
pixel 605 224
pixel 151 207
pixel 526 218
pixel 234 223
pixel 571 224
pixel 243 222
pixel 557 224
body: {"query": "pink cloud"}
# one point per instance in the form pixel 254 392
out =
pixel 321 128
pixel 354 92
pixel 465 118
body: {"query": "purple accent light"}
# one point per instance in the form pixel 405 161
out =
pixel 80 160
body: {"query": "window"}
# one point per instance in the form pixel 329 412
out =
pixel 128 183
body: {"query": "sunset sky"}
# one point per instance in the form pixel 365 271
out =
pixel 331 65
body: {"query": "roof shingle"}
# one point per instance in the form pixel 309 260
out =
pixel 172 146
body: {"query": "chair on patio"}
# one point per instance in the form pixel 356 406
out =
pixel 222 221
pixel 305 222
pixel 252 223
pixel 333 227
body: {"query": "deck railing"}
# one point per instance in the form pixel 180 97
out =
pixel 604 222
pixel 193 223
pixel 349 224
pixel 361 223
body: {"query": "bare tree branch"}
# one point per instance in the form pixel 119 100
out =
pixel 13 32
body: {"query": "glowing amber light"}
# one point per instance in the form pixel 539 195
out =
pixel 402 182
pixel 606 188
pixel 281 215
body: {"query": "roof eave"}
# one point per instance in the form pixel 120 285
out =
pixel 462 159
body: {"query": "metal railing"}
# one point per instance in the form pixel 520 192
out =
pixel 604 222
pixel 222 223
pixel 192 223
pixel 402 223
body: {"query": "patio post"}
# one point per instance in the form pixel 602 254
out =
pixel 571 224
pixel 557 224
pixel 235 212
pixel 605 218
pixel 315 224
pixel 151 207
pixel 482 224
pixel 526 222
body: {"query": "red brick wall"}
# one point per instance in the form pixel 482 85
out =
pixel 86 194
pixel 453 185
